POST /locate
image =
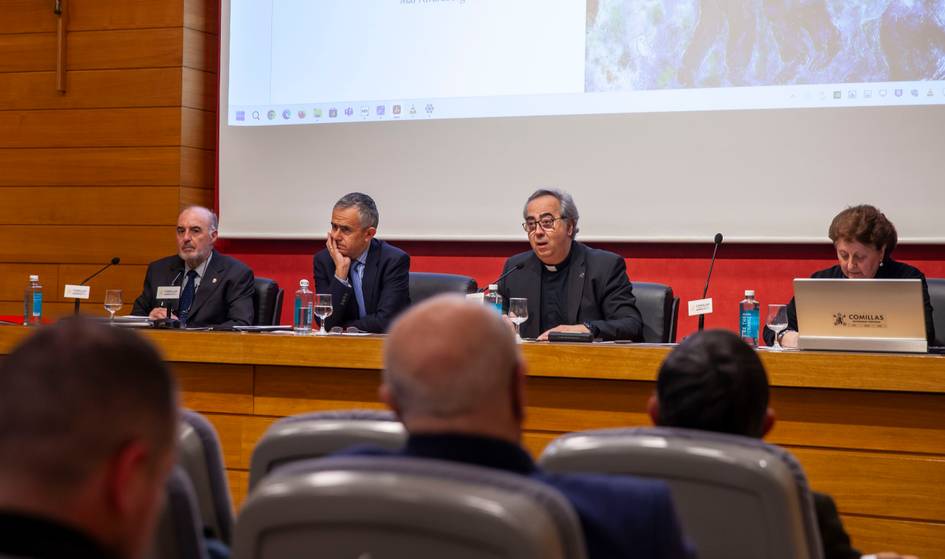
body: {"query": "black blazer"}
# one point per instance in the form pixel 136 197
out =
pixel 599 292
pixel 224 297
pixel 385 286
pixel 891 269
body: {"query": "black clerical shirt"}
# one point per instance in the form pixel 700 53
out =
pixel 554 294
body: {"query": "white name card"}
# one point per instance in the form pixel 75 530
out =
pixel 168 292
pixel 476 297
pixel 76 291
pixel 700 306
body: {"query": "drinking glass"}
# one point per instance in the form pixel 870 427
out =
pixel 112 302
pixel 518 313
pixel 322 310
pixel 777 321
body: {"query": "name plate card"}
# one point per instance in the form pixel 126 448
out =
pixel 700 306
pixel 76 291
pixel 168 292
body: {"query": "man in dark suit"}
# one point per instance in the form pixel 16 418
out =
pixel 216 290
pixel 367 278
pixel 715 382
pixel 89 429
pixel 570 287
pixel 455 377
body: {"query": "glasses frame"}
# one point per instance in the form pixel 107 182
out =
pixel 538 222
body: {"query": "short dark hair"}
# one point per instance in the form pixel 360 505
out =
pixel 866 225
pixel 72 393
pixel 367 209
pixel 713 381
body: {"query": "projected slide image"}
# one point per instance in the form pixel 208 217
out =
pixel 637 45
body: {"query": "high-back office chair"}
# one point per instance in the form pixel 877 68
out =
pixel 737 497
pixel 178 534
pixel 424 285
pixel 267 302
pixel 392 507
pixel 202 459
pixel 937 296
pixel 313 435
pixel 660 310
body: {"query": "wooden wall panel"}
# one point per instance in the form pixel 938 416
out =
pixel 197 167
pixel 91 166
pixel 200 51
pixel 94 50
pixel 201 15
pixel 75 244
pixel 88 205
pixel 198 129
pixel 145 87
pixel 196 196
pixel 94 127
pixel 127 277
pixel 13 279
pixel 871 535
pixel 199 90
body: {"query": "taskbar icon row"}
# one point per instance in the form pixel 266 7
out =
pixel 344 113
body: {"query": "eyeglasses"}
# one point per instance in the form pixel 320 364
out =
pixel 547 223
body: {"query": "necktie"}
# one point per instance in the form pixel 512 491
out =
pixel 356 283
pixel 187 296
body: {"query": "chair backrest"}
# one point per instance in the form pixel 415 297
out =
pixel 394 507
pixel 660 310
pixel 202 458
pixel 937 295
pixel 178 534
pixel 424 285
pixel 313 435
pixel 267 302
pixel 736 497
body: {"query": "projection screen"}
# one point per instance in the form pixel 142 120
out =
pixel 667 120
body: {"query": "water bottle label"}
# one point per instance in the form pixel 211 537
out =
pixel 37 303
pixel 750 323
pixel 498 308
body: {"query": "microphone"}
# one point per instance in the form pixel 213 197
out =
pixel 115 260
pixel 507 273
pixel 718 243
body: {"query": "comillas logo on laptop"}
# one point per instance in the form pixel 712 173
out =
pixel 859 320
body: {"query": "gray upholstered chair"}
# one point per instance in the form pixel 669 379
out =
pixel 202 458
pixel 313 435
pixel 937 295
pixel 424 285
pixel 392 507
pixel 267 302
pixel 178 534
pixel 660 310
pixel 737 497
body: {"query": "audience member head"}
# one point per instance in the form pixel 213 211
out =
pixel 713 381
pixel 88 419
pixel 452 366
pixel 196 234
pixel 354 222
pixel 863 238
pixel 551 221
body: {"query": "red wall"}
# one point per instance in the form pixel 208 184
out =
pixel 768 269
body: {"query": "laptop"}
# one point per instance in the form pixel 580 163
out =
pixel 861 315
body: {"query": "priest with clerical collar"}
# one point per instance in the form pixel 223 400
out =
pixel 570 287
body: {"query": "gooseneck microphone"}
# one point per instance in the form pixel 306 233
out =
pixel 507 273
pixel 705 290
pixel 115 260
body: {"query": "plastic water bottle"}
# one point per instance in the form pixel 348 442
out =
pixel 302 322
pixel 33 303
pixel 749 318
pixel 492 298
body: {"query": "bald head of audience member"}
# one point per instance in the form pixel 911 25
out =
pixel 713 381
pixel 88 419
pixel 451 366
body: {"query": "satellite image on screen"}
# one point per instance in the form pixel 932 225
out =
pixel 672 44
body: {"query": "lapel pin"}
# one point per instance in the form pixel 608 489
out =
pixel 214 280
